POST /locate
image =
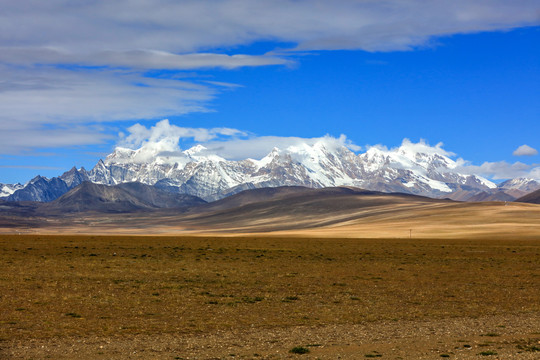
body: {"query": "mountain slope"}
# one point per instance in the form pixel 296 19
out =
pixel 297 208
pixel 74 177
pixel 522 184
pixel 45 190
pixel 253 196
pixel 40 189
pixel 126 198
pixel 508 190
pixel 495 196
pixel 532 198
pixel 157 198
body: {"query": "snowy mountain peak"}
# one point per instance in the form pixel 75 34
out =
pixel 120 155
pixel 8 189
pixel 523 184
pixel 272 155
pixel 195 150
pixel 38 178
pixel 322 162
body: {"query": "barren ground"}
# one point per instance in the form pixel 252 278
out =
pixel 258 297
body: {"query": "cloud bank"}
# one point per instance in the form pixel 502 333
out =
pixel 501 170
pixel 421 146
pixel 164 139
pixel 163 132
pixel 64 65
pixel 182 27
pixel 525 150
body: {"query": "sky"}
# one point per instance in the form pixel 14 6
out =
pixel 80 78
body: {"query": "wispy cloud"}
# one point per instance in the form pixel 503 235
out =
pixel 163 139
pixel 167 133
pixel 501 170
pixel 525 150
pixel 34 167
pixel 422 146
pixel 59 95
pixel 136 59
pixel 181 27
pixel 257 147
pixel 57 107
pixel 22 139
pixel 67 64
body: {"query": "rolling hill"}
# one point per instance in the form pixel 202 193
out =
pixel 532 198
pixel 284 211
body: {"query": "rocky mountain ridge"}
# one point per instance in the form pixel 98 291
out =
pixel 412 168
pixel 126 197
pixel 8 189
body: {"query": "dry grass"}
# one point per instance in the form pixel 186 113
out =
pixel 54 286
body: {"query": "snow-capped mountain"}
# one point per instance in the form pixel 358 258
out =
pixel 74 177
pixel 519 187
pixel 8 189
pixel 40 189
pixel 43 189
pixel 411 168
pixel 508 190
pixel 522 184
pixel 416 169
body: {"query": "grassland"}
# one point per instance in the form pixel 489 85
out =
pixel 259 297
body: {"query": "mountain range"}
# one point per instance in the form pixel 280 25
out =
pixel 126 197
pixel 412 168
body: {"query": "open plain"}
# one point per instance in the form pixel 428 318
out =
pixel 178 297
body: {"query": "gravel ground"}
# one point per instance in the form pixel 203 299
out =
pixel 493 337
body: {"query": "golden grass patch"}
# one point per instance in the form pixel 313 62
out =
pixel 53 286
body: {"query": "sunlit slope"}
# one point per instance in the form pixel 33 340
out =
pixel 297 211
pixel 351 212
pixel 493 220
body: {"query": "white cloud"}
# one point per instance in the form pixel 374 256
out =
pixel 41 106
pixel 500 170
pixel 535 173
pixel 180 27
pixel 163 139
pixel 525 150
pixel 260 146
pixel 137 59
pixel 30 167
pixel 43 45
pixel 22 139
pixel 423 147
pixel 35 95
pixel 170 135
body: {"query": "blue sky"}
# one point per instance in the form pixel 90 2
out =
pixel 463 73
